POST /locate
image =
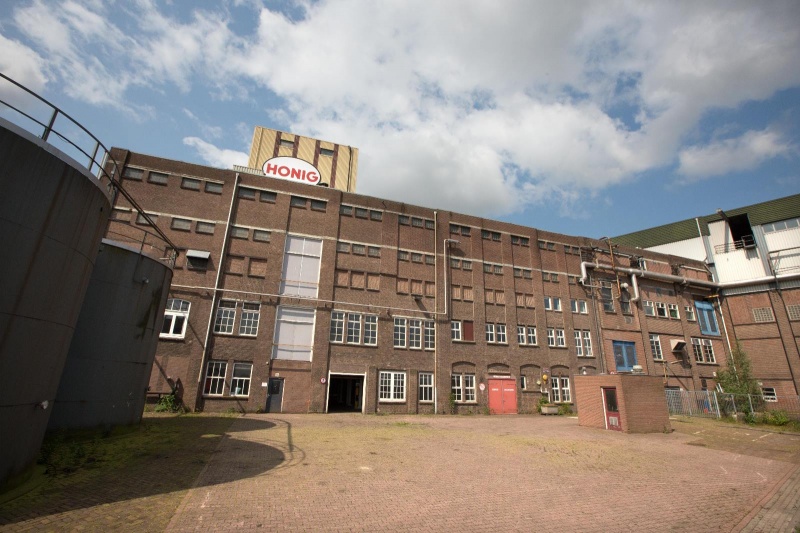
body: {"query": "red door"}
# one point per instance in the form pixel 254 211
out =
pixel 611 408
pixel 503 396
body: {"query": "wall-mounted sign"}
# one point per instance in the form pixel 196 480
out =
pixel 322 380
pixel 482 387
pixel 292 169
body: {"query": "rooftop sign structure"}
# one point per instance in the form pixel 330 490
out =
pixel 292 169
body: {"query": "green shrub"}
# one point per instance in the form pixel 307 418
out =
pixel 168 404
pixel 564 409
pixel 775 418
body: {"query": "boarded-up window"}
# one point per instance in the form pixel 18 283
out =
pixel 469 330
pixel 258 268
pixel 373 282
pixel 234 265
pixel 468 294
pixel 456 292
pixel 520 300
pixel 489 296
pixel 294 334
pixel 342 278
pixel 529 300
pixel 120 214
pixel 430 289
pixel 500 297
pixel 301 261
pixel 357 280
pixel 416 287
pixel 402 286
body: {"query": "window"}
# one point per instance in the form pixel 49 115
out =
pixel 326 152
pixel 607 296
pixel 655 345
pixel 416 257
pixel 521 335
pixel 371 330
pixel 661 310
pixel 429 259
pixel 353 328
pixel 498 269
pixel 158 177
pixel 579 306
pixel 649 308
pixel 247 193
pixel 361 212
pixel 257 268
pixel 267 196
pixel 425 387
pixel 213 188
pixel 551 336
pixel 400 332
pixel 520 241
pixel 294 334
pixel 624 355
pixel 462 387
pixel 238 232
pixel 404 220
pixel 763 314
pixel 523 382
pixel 415 334
pixel 463 230
pixel 226 315
pixel 583 343
pixel 133 173
pixel 261 235
pixel 490 333
pixel 285 143
pixel 706 318
pixel 781 225
pixel 689 313
pixel 501 334
pixel 555 338
pixel 769 394
pixel 298 201
pixel 319 205
pixel 402 255
pixel 205 227
pixel 359 249
pixel 429 224
pixel 346 210
pixel 337 326
pixel 560 340
pixel 250 314
pixel 703 350
pixel 416 222
pixel 143 221
pixel 455 330
pixel 552 303
pixel 376 215
pixel 215 378
pixel 531 331
pixel 176 315
pixel 793 311
pixel 191 184
pixel 430 334
pixel 181 224
pixel 673 311
pixel 197 259
pixel 391 386
pixel 559 390
pixel 487 268
pixel 301 260
pixel 373 251
pixel 240 382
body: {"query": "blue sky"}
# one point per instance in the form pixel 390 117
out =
pixel 586 118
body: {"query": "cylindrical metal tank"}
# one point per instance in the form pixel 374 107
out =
pixel 108 366
pixel 53 213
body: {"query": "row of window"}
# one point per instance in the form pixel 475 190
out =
pixel 360 212
pixel 415 257
pixel 416 222
pixel 549 277
pixel 354 328
pixel 523 273
pixel 215 382
pixel 357 249
pixel 662 310
pixel 162 178
pixel 416 287
pixel 414 333
pixel 357 280
pixel 781 225
pixel 490 268
pixel 461 263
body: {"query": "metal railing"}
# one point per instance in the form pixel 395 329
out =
pixel 711 404
pixel 746 241
pixel 47 121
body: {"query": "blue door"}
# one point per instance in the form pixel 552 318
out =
pixel 624 355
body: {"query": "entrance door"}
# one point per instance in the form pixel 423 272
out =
pixel 611 408
pixel 345 393
pixel 275 395
pixel 502 396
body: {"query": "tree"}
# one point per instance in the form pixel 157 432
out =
pixel 737 377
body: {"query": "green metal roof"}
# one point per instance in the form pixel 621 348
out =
pixel 770 211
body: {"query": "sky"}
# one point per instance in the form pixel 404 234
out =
pixel 585 118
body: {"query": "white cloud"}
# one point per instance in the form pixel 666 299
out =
pixel 216 157
pixel 456 104
pixel 732 155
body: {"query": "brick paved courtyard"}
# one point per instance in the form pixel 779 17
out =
pixel 449 473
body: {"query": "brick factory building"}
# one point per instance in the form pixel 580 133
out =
pixel 289 297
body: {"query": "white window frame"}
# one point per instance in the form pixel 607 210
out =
pixel 429 334
pixel 661 310
pixel 337 327
pixel 425 385
pixel 400 337
pixel 655 346
pixel 353 328
pixel 241 383
pixel 370 330
pixel 415 334
pixel 501 334
pixel 251 314
pixel 561 341
pixel 176 309
pixel 689 313
pixel 391 394
pixel 587 343
pixel 531 332
pixel 521 339
pixel 769 394
pixel 489 329
pixel 225 317
pixel 703 350
pixel 469 388
pixel 456 387
pixel 216 372
pixel 672 311
pixel 578 343
pixel 551 337
pixel 578 306
pixel 649 308
pixel 455 330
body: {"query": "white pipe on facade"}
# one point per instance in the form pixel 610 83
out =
pixel 435 308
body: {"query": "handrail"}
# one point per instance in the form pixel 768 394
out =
pixel 104 164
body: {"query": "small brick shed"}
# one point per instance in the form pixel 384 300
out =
pixel 641 401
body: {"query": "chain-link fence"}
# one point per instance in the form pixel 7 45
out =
pixel 711 404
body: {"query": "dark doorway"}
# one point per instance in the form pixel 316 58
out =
pixel 345 394
pixel 275 395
